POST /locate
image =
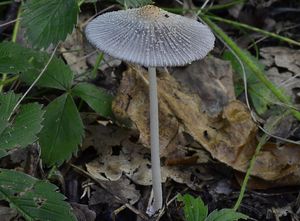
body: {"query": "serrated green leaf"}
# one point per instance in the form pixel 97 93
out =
pixel 134 3
pixel 96 98
pixel 29 63
pixel 21 129
pixel 7 104
pixel 49 21
pixel 62 131
pixel 33 198
pixel 194 208
pixel 225 215
pixel 260 95
pixel 7 62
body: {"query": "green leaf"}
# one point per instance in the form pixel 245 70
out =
pixel 29 63
pixel 225 215
pixel 194 208
pixel 62 131
pixel 7 103
pixel 21 129
pixel 32 198
pixel 96 98
pixel 8 63
pixel 134 3
pixel 260 95
pixel 49 21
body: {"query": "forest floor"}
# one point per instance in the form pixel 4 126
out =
pixel 209 128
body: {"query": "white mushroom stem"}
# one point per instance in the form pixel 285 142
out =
pixel 154 141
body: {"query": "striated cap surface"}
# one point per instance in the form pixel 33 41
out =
pixel 150 36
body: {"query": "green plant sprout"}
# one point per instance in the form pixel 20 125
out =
pixel 195 210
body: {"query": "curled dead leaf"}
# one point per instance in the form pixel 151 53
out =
pixel 229 137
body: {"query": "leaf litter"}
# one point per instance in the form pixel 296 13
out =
pixel 230 136
pixel 193 131
pixel 225 129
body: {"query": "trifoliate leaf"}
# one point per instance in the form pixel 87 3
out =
pixel 20 129
pixel 134 3
pixel 16 59
pixel 225 215
pixel 194 208
pixel 32 198
pixel 96 98
pixel 49 21
pixel 62 131
pixel 260 95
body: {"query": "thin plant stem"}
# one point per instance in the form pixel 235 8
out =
pixel 97 64
pixel 6 2
pixel 208 8
pixel 245 26
pixel 8 80
pixel 14 39
pixel 154 141
pixel 3 80
pixel 262 141
pixel 35 81
pixel 258 73
pixel 204 4
pixel 80 2
pixel 17 25
pixel 224 6
pixel 9 22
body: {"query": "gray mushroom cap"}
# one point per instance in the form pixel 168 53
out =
pixel 150 36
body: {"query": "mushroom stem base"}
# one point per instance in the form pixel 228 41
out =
pixel 154 141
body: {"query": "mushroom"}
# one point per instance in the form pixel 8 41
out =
pixel 151 37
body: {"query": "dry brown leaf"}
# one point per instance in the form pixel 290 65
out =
pixel 283 66
pixel 230 137
pixel 224 137
pixel 210 78
pixel 130 159
pixel 83 213
pixel 9 214
pixel 73 53
pixel 282 57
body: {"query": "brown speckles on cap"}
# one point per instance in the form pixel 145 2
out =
pixel 150 36
pixel 149 12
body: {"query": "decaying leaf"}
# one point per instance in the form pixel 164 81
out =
pixel 282 212
pixel 83 213
pixel 73 52
pixel 123 189
pixel 229 137
pixel 283 67
pixel 224 136
pixel 209 78
pixel 9 214
pixel 119 156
